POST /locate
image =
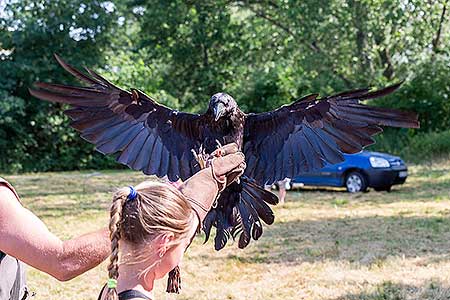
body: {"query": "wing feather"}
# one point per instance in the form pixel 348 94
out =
pixel 139 132
pixel 311 132
pixel 120 141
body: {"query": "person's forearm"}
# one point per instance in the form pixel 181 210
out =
pixel 82 254
pixel 25 237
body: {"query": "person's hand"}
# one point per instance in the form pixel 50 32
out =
pixel 223 166
pixel 227 164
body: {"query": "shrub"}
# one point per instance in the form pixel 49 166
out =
pixel 414 148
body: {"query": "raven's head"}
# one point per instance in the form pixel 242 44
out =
pixel 222 104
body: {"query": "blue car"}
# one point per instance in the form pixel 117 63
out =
pixel 358 172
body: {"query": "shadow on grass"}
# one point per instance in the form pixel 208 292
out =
pixel 71 193
pixel 72 183
pixel 424 184
pixel 366 241
pixel 61 211
pixel 423 191
pixel 432 290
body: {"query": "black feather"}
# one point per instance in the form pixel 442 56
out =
pixel 285 142
pixel 208 222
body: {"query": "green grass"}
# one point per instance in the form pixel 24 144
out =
pixel 326 245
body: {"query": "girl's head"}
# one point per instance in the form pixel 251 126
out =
pixel 150 231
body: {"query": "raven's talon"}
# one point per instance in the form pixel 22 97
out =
pixel 200 157
pixel 219 152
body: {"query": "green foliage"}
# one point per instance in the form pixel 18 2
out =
pixel 13 135
pixel 427 93
pixel 264 53
pixel 424 146
pixel 35 135
pixel 199 45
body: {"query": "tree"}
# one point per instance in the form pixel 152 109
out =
pixel 264 53
pixel 31 31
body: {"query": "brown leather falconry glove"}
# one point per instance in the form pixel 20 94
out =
pixel 222 167
pixel 219 169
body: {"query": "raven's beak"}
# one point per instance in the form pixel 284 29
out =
pixel 219 110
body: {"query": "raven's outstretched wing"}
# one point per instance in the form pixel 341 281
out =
pixel 301 137
pixel 143 134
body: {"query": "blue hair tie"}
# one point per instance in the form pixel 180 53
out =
pixel 132 195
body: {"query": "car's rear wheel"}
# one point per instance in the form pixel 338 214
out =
pixel 355 182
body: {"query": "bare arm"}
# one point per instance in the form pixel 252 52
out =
pixel 25 237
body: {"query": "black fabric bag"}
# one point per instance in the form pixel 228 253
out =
pixel 12 278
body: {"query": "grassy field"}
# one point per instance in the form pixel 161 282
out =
pixel 324 244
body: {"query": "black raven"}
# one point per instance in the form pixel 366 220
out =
pixel 285 142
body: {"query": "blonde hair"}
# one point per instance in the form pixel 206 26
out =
pixel 158 208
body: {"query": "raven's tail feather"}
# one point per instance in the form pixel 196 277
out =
pixel 239 212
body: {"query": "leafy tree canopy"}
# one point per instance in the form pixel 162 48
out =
pixel 264 53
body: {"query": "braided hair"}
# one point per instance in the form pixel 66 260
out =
pixel 119 199
pixel 154 209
